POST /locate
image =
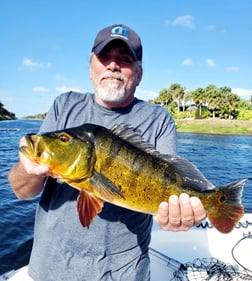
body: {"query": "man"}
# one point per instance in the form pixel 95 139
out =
pixel 115 247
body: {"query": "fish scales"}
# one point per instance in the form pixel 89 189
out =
pixel 136 174
pixel 117 166
pixel 145 180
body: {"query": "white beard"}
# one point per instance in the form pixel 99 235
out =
pixel 111 92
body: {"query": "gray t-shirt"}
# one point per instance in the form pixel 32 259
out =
pixel 115 246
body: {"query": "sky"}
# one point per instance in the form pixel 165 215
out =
pixel 45 46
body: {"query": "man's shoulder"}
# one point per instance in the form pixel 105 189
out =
pixel 75 96
pixel 72 99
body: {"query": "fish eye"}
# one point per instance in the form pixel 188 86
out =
pixel 64 138
pixel 222 199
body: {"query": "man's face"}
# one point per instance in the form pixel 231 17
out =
pixel 115 75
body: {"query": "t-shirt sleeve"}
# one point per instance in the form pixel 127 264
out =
pixel 166 140
pixel 50 120
pixel 58 108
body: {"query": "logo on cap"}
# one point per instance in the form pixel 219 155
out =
pixel 120 31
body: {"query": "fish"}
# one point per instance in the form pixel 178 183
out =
pixel 117 166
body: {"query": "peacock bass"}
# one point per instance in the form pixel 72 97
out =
pixel 119 167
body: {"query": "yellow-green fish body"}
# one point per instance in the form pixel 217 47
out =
pixel 117 166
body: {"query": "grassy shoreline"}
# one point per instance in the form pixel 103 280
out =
pixel 215 126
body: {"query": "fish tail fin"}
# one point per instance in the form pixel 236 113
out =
pixel 230 209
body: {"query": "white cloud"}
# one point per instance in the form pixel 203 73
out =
pixel 33 65
pixel 187 62
pixel 210 62
pixel 63 89
pixel 40 89
pixel 243 93
pixel 185 21
pixel 233 68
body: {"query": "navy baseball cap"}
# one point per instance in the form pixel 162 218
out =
pixel 119 32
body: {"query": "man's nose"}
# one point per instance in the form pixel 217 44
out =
pixel 113 65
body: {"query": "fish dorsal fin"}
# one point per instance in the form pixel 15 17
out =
pixel 133 136
pixel 189 175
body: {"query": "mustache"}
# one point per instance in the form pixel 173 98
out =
pixel 112 75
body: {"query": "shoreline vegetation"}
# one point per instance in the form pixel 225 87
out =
pixel 214 126
pixel 186 125
pixel 204 126
pixel 208 110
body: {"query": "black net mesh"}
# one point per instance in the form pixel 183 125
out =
pixel 213 269
pixel 210 269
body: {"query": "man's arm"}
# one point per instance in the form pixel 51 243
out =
pixel 26 178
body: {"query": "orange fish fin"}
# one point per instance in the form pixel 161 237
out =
pixel 88 207
pixel 227 220
pixel 229 209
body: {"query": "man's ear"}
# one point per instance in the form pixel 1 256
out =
pixel 139 74
pixel 90 67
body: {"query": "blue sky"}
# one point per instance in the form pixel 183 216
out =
pixel 45 46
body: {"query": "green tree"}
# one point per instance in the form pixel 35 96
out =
pixel 232 101
pixel 213 98
pixel 164 97
pixel 210 101
pixel 199 99
pixel 5 114
pixel 177 92
pixel 188 98
pixel 229 104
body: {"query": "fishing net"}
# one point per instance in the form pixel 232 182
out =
pixel 212 269
pixel 208 269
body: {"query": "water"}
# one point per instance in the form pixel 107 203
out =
pixel 16 216
pixel 222 159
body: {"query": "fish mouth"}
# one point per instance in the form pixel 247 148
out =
pixel 31 149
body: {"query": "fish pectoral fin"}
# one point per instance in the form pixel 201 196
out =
pixel 106 189
pixel 88 207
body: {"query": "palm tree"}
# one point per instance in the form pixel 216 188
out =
pixel 198 96
pixel 214 98
pixel 177 93
pixel 165 97
pixel 232 101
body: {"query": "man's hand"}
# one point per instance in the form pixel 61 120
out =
pixel 30 167
pixel 180 213
pixel 27 178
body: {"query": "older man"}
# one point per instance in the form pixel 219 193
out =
pixel 115 247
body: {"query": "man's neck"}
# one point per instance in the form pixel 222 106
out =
pixel 114 105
